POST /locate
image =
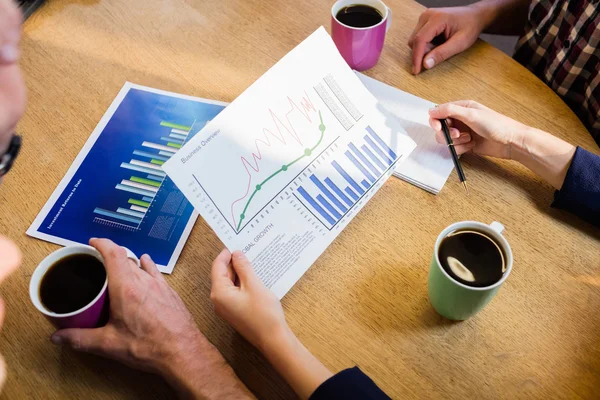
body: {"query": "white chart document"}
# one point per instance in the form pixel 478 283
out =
pixel 284 168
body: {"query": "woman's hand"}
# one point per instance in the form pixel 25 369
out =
pixel 240 298
pixel 476 128
pixel 483 131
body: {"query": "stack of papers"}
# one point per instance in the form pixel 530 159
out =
pixel 430 164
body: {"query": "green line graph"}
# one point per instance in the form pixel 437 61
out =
pixel 307 153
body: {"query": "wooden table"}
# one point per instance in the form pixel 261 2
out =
pixel 364 302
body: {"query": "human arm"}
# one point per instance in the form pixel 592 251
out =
pixel 151 329
pixel 240 297
pixel 573 172
pixel 459 27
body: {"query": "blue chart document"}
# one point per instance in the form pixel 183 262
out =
pixel 301 151
pixel 116 187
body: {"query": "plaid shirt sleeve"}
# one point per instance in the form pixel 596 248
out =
pixel 560 46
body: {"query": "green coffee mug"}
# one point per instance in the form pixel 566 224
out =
pixel 455 300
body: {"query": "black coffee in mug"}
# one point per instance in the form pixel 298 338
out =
pixel 71 283
pixel 359 16
pixel 472 258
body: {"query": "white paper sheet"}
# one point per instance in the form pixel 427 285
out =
pixel 430 165
pixel 286 166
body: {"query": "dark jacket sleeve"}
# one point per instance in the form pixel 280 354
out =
pixel 580 193
pixel 349 384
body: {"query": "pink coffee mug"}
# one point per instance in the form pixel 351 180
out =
pixel 92 315
pixel 360 47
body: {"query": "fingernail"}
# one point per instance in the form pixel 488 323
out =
pixel 429 63
pixel 9 53
pixel 433 110
pixel 56 339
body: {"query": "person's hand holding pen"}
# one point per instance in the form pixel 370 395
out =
pixel 478 129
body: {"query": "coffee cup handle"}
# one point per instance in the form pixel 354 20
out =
pixel 498 227
pixel 132 256
pixel 389 20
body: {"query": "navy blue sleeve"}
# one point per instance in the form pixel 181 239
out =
pixel 349 384
pixel 580 192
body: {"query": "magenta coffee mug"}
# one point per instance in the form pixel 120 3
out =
pixel 92 315
pixel 360 47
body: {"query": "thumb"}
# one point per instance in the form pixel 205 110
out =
pixel 85 340
pixel 243 269
pixel 454 45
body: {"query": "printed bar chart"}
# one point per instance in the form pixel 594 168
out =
pixel 147 184
pixel 331 191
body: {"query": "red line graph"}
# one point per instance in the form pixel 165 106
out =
pixel 305 109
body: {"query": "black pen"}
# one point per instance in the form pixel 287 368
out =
pixel 459 170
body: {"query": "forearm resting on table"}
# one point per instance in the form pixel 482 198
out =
pixel 204 374
pixel 503 17
pixel 546 155
pixel 300 369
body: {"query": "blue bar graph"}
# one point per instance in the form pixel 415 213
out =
pixel 382 143
pixel 377 149
pixel 315 205
pixel 121 217
pixel 373 157
pixel 347 177
pixel 337 191
pixel 334 188
pixel 327 193
pixel 364 160
pixel 352 194
pixel 329 207
pixel 148 199
pixel 358 165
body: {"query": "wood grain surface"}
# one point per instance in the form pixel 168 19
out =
pixel 364 302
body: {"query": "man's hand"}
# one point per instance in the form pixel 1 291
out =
pixel 459 27
pixel 240 298
pixel 151 329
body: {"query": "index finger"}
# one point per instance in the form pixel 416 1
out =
pixel 115 257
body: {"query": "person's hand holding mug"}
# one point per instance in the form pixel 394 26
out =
pixel 241 298
pixel 478 129
pixel 151 329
